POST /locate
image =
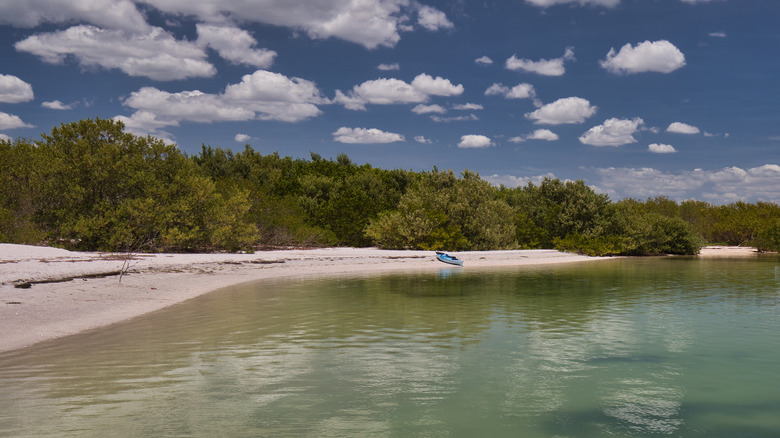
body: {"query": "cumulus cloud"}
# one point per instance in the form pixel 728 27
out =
pixel 432 19
pixel 545 67
pixel 261 95
pixel 468 107
pixel 437 86
pixel 56 105
pixel 242 138
pixel 717 34
pixel 657 56
pixel 156 55
pixel 370 23
pixel 569 110
pixel 234 45
pixel 659 148
pixel 422 139
pixel 389 67
pixel 539 134
pixel 385 91
pixel 682 128
pixel 512 181
pixel 519 91
pixel 468 118
pixel 614 132
pixel 484 60
pixel 4 137
pixel 10 121
pixel 543 134
pixel 114 14
pixel 428 109
pixel 475 141
pixel 365 136
pixel 725 185
pixel 14 90
pixel 548 3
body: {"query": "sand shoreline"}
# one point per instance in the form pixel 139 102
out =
pixel 47 293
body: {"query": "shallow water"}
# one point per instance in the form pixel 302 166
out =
pixel 679 347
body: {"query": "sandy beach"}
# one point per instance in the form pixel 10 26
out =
pixel 46 293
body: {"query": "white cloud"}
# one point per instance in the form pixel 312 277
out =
pixel 274 96
pixel 682 128
pixel 262 95
pixel 14 90
pixel 4 137
pixel 475 141
pixel 427 109
pixel 468 118
pixel 614 132
pixel 548 3
pixel 156 55
pixel 568 110
pixel 512 181
pixel 365 136
pixel 242 138
pixel 545 67
pixel 56 105
pixel 484 60
pixel 234 45
pixel 658 56
pixel 519 91
pixel 143 123
pixel 437 86
pixel 115 14
pixel 539 134
pixel 381 91
pixel 10 121
pixel 389 67
pixel 371 23
pixel 659 148
pixel 726 185
pixel 717 34
pixel 423 140
pixel 468 107
pixel 432 19
pixel 543 134
pixel 196 106
pixel 385 91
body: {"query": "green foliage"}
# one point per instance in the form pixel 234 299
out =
pixel 769 238
pixel 565 215
pixel 19 184
pixel 96 187
pixel 442 211
pixel 89 185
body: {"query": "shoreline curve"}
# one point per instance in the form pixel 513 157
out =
pixel 48 293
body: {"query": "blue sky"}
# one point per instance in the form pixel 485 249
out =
pixel 637 98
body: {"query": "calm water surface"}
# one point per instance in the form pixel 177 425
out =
pixel 677 347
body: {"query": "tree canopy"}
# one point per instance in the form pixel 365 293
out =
pixel 89 185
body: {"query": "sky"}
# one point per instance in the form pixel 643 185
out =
pixel 638 98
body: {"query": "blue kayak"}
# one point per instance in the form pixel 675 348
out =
pixel 446 258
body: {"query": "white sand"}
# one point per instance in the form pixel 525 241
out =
pixel 61 301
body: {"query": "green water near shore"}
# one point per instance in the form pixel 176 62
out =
pixel 680 347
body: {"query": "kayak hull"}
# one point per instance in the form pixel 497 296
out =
pixel 448 259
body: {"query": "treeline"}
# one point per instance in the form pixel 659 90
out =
pixel 91 186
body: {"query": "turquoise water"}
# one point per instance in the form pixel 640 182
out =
pixel 680 347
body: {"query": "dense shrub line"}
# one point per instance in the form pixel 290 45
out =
pixel 91 186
